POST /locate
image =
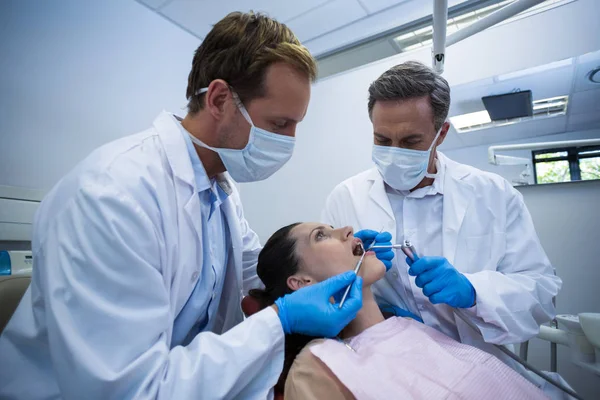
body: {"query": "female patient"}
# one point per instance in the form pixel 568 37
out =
pixel 372 358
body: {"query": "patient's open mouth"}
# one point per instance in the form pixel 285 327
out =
pixel 358 249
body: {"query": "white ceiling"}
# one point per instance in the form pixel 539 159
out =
pixel 566 77
pixel 322 25
pixel 326 25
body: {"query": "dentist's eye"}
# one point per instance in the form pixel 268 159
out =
pixel 280 124
pixel 382 141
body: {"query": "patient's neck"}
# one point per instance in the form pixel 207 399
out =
pixel 368 316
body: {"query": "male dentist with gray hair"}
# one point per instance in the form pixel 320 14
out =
pixel 479 250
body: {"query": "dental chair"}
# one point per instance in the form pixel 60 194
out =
pixel 12 289
pixel 250 306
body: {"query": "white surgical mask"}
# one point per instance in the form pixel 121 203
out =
pixel 403 169
pixel 265 153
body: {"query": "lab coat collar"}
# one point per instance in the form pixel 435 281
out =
pixel 169 131
pixel 202 180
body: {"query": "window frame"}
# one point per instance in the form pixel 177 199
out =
pixel 573 157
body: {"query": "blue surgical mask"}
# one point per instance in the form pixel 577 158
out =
pixel 403 169
pixel 265 153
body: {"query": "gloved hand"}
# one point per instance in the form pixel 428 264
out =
pixel 441 282
pixel 308 311
pixel 384 238
pixel 398 312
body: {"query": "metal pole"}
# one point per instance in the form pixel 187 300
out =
pixel 440 22
pixel 492 19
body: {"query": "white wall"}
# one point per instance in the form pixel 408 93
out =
pixel 477 156
pixel 334 140
pixel 567 220
pixel 76 74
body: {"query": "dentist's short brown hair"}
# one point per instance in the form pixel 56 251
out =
pixel 239 49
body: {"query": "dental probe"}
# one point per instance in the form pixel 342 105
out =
pixel 356 270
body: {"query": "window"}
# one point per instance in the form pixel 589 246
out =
pixel 565 165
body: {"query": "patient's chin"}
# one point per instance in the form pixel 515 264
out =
pixel 372 271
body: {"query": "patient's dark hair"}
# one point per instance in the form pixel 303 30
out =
pixel 276 263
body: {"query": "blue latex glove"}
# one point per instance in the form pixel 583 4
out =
pixel 441 282
pixel 384 238
pixel 308 311
pixel 398 312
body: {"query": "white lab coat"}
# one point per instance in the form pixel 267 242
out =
pixel 117 247
pixel 488 235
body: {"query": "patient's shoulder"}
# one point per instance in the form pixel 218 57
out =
pixel 309 378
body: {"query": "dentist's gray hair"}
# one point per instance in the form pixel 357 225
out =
pixel 410 80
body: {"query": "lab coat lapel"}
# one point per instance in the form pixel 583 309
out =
pixel 186 196
pixel 194 216
pixel 379 212
pixel 458 196
pixel 378 195
pixel 176 151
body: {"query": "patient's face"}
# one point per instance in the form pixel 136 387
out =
pixel 325 252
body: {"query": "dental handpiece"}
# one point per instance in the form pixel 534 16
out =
pixel 406 247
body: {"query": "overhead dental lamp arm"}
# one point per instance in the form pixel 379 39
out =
pixel 440 21
pixel 496 17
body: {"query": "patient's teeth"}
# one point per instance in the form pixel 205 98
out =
pixel 359 250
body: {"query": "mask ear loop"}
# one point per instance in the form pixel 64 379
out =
pixel 242 108
pixel 199 91
pixel 437 136
pixel 237 100
pixel 437 163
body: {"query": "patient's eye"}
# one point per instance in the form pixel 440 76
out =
pixel 320 235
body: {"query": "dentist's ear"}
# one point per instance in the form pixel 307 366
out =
pixel 443 133
pixel 296 282
pixel 216 97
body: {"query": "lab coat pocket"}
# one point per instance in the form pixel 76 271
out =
pixel 484 251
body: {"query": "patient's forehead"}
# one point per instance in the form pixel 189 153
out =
pixel 303 234
pixel 305 227
pixel 300 233
pixel 304 231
